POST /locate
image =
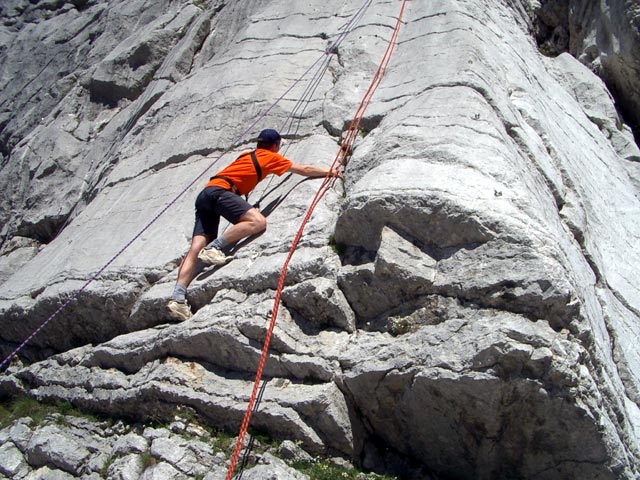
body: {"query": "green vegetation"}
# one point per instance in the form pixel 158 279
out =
pixel 325 470
pixel 39 412
pixel 548 50
pixel 105 467
pixel 24 406
pixel 399 326
pixel 338 248
pixel 363 131
pixel 148 460
pixel 223 442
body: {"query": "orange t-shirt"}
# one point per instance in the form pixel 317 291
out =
pixel 243 173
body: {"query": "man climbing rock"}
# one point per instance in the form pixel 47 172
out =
pixel 222 197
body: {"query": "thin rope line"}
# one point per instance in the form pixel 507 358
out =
pixel 300 106
pixel 317 77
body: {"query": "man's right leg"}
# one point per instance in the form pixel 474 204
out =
pixel 246 221
pixel 250 223
pixel 204 230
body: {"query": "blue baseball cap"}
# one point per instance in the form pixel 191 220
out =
pixel 270 136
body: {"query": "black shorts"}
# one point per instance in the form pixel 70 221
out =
pixel 214 202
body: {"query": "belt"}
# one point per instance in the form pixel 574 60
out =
pixel 232 187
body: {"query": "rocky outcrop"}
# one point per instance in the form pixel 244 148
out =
pixel 465 304
pixel 603 36
pixel 67 447
pixel 68 71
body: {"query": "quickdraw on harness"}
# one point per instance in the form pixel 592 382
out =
pixel 232 187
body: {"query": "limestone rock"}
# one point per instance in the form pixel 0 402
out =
pixel 125 452
pixel 50 446
pixel 592 95
pixel 478 261
pixel 49 116
pixel 127 467
pixel 272 468
pixel 131 442
pixel 290 451
pixel 322 303
pixel 13 462
pixel 188 457
pixel 604 38
pixel 128 69
pixel 15 253
pixel 46 473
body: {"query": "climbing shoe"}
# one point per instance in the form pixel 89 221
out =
pixel 179 311
pixel 213 256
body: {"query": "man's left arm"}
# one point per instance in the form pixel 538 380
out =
pixel 313 170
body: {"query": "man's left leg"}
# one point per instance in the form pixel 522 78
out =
pixel 204 229
pixel 187 269
pixel 178 305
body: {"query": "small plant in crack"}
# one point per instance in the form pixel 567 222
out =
pixel 337 248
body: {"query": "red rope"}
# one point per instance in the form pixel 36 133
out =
pixel 341 156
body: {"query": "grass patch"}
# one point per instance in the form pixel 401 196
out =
pixel 105 467
pixel 264 440
pixel 27 407
pixel 325 470
pixel 24 407
pixel 39 412
pixel 223 441
pixel 148 460
pixel 399 326
pixel 338 248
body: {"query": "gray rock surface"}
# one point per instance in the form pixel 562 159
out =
pixel 466 303
pixel 65 447
pixel 603 36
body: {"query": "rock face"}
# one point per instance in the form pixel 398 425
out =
pixel 466 304
pixel 67 447
pixel 604 36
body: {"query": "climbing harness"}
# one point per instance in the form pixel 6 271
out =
pixel 340 159
pixel 232 187
pixel 256 165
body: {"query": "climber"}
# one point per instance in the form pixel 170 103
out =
pixel 222 197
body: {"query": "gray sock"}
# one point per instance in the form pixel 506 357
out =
pixel 179 293
pixel 220 243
